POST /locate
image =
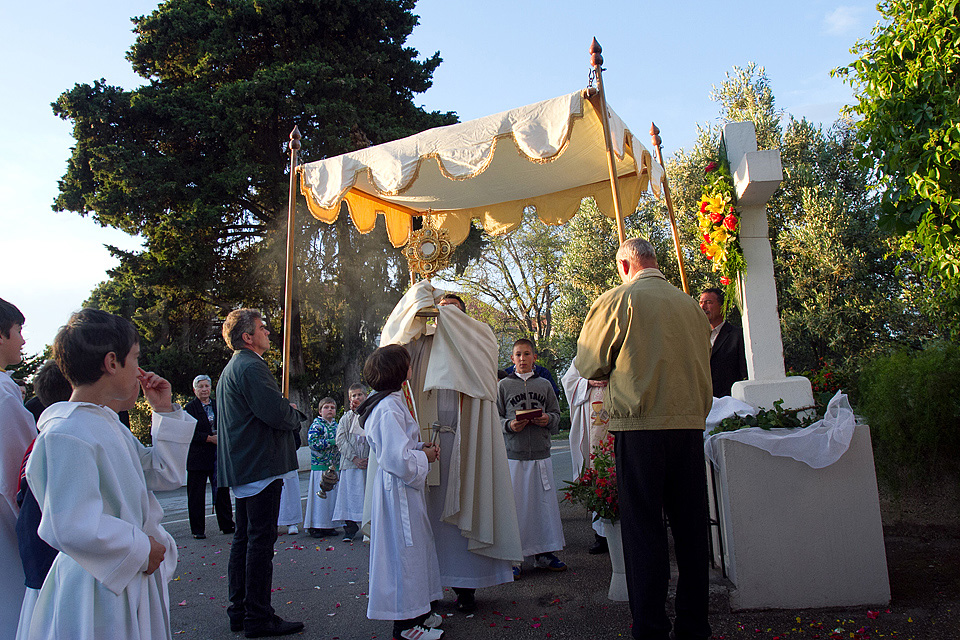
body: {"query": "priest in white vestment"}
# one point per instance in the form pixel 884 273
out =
pixel 588 428
pixel 469 494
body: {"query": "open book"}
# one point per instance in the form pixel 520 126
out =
pixel 529 414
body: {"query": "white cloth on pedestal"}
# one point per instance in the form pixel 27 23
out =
pixel 818 446
pixel 94 483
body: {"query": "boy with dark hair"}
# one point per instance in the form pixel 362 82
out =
pixel 17 430
pixel 49 387
pixel 530 413
pixel 94 482
pixel 404 570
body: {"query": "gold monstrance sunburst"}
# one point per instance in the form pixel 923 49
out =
pixel 428 251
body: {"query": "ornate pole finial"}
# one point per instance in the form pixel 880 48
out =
pixel 294 144
pixel 596 59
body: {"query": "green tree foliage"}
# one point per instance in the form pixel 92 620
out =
pixel 911 400
pixel 908 119
pixel 516 277
pixel 840 297
pixel 195 159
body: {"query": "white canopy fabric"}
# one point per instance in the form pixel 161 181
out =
pixel 549 156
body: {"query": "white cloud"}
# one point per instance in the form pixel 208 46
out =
pixel 844 21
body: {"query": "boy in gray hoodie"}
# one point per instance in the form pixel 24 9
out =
pixel 528 443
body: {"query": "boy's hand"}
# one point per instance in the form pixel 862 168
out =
pixel 432 451
pixel 542 421
pixel 156 552
pixel 157 391
pixel 518 425
pixel 360 462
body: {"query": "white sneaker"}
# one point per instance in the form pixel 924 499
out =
pixel 421 633
pixel 433 621
pixel 292 530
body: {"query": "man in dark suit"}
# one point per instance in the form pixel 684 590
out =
pixel 257 447
pixel 202 463
pixel 728 361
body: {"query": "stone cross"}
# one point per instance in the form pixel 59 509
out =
pixel 756 176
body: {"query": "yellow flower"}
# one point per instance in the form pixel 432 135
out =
pixel 714 204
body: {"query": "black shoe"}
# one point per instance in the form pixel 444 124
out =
pixel 314 533
pixel 236 626
pixel 275 627
pixel 229 531
pixel 328 532
pixel 599 546
pixel 200 536
pixel 466 603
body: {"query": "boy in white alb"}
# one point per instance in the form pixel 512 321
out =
pixel 324 455
pixel 94 482
pixel 404 571
pixel 17 431
pixel 528 451
pixel 354 452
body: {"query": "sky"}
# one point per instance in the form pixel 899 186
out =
pixel 661 61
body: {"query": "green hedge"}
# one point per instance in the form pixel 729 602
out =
pixel 911 400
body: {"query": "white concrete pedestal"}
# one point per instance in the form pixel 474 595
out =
pixel 797 537
pixel 795 392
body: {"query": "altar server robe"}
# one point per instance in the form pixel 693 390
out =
pixel 404 572
pixel 17 431
pixel 94 482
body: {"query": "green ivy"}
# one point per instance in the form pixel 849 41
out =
pixel 776 418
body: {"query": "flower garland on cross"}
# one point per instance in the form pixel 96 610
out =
pixel 720 229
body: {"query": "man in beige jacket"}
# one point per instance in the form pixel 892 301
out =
pixel 651 342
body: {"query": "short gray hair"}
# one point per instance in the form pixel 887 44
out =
pixel 239 322
pixel 637 251
pixel 201 378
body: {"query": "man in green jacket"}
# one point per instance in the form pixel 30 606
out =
pixel 256 447
pixel 651 342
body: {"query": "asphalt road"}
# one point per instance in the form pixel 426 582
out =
pixel 323 582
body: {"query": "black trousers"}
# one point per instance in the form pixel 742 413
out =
pixel 663 472
pixel 250 570
pixel 196 506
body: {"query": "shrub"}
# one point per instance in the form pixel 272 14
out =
pixel 911 400
pixel 141 420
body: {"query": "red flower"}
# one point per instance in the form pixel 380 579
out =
pixel 724 280
pixel 710 167
pixel 703 247
pixel 706 237
pixel 716 218
pixel 730 222
pixel 703 206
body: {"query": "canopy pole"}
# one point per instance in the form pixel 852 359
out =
pixel 655 137
pixel 294 147
pixel 596 61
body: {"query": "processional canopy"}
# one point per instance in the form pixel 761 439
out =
pixel 547 156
